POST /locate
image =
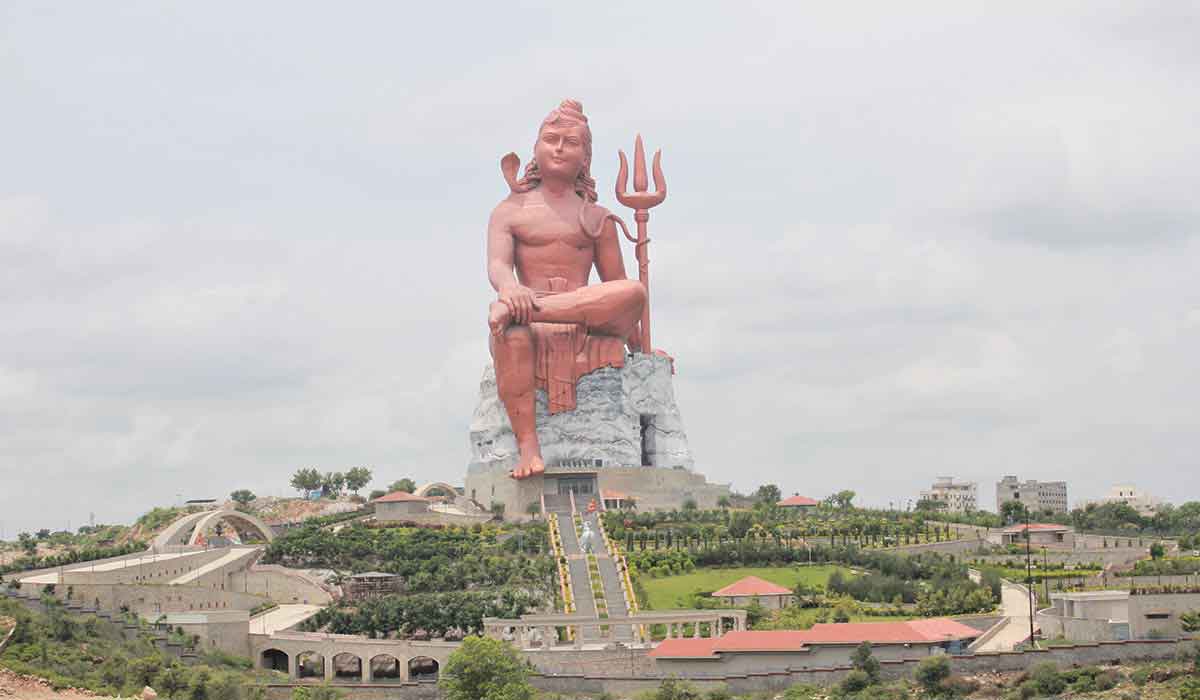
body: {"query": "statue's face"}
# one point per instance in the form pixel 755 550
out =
pixel 559 151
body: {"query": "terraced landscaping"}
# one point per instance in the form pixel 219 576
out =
pixel 671 592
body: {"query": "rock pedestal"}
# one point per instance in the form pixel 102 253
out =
pixel 625 417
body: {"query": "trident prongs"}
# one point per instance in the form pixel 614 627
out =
pixel 640 199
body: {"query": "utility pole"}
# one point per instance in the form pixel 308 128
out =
pixel 1029 577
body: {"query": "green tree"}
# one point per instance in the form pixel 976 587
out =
pixel 768 493
pixel 171 680
pixel 673 689
pixel 1157 550
pixel 863 660
pixel 307 479
pixel 28 543
pixel 931 671
pixel 357 478
pixel 843 499
pixel 406 485
pixel 1012 512
pixel 332 484
pixel 485 669
pixel 723 502
pixel 242 496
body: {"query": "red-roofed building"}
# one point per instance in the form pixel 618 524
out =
pixel 798 504
pixel 615 500
pixel 823 646
pixel 399 505
pixel 754 589
pixel 1040 535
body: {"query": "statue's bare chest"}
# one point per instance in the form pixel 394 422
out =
pixel 539 225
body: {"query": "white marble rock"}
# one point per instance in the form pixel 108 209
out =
pixel 606 425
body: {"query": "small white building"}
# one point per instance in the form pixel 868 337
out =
pixel 399 505
pixel 742 592
pixel 1040 535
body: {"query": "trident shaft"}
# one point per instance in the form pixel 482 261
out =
pixel 641 202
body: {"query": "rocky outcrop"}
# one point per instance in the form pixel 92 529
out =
pixel 624 417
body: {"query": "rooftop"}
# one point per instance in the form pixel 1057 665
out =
pixel 797 500
pixel 1038 527
pixel 752 585
pixel 929 631
pixel 397 497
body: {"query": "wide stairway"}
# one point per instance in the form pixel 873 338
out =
pixel 560 507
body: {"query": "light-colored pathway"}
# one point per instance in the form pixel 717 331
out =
pixel 124 563
pixel 282 618
pixel 1014 605
pixel 232 556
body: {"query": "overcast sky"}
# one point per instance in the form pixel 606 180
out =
pixel 901 240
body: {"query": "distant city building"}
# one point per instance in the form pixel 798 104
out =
pixel 1142 502
pixel 959 497
pixel 1035 495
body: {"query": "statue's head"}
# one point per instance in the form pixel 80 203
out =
pixel 563 150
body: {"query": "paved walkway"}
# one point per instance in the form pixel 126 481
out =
pixel 282 618
pixel 231 557
pixel 1014 604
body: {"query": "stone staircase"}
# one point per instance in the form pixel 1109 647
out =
pixel 610 578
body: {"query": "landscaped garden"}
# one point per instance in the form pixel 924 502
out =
pixel 677 591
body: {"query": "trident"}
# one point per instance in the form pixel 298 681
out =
pixel 641 202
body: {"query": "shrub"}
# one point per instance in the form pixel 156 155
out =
pixel 854 681
pixel 803 691
pixel 958 687
pixel 1046 679
pixel 672 689
pixel 1140 677
pixel 931 671
pixel 721 693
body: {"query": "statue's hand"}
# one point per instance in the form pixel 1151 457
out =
pixel 520 301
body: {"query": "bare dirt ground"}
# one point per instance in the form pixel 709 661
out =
pixel 18 687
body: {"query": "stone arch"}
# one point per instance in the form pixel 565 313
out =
pixel 310 664
pixel 450 491
pixel 385 667
pixel 423 668
pixel 274 660
pixel 347 666
pixel 245 520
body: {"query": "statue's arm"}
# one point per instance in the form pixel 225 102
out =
pixel 500 249
pixel 519 299
pixel 609 263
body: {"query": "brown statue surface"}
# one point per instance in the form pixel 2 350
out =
pixel 548 325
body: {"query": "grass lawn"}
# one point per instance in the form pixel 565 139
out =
pixel 672 592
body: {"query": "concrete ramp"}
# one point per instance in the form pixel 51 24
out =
pixel 236 557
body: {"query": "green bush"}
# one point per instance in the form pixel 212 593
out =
pixel 854 681
pixel 803 691
pixel 931 671
pixel 1046 679
pixel 672 689
pixel 1140 677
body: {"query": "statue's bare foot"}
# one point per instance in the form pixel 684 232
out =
pixel 529 466
pixel 499 317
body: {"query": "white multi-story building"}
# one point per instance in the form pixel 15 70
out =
pixel 1144 503
pixel 959 496
pixel 1036 495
